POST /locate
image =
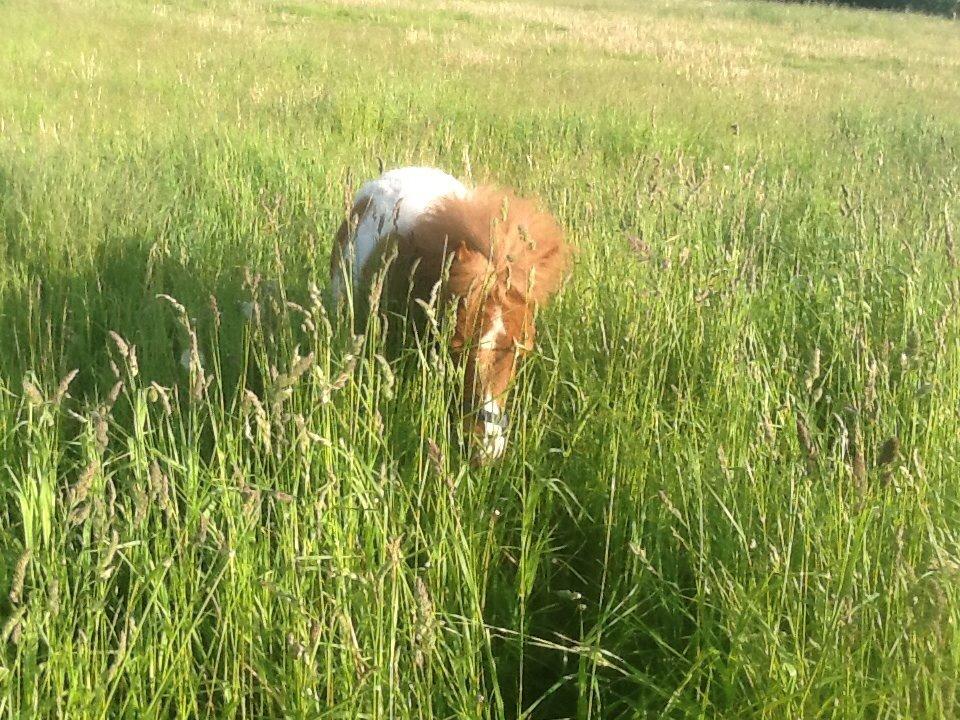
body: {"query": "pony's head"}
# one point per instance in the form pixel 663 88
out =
pixel 508 259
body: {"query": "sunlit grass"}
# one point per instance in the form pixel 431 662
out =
pixel 731 485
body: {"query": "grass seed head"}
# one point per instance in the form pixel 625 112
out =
pixel 105 568
pixel 425 628
pixel 181 310
pixel 859 466
pixel 297 648
pixel 159 485
pixel 300 366
pixel 163 395
pixel 12 629
pixel 251 504
pixel 668 504
pixel 79 514
pixel 132 362
pixel 32 393
pixel 870 391
pixel 215 311
pixel 813 370
pixel 19 576
pixel 100 431
pixel 121 344
pixel 78 493
pixel 113 395
pixel 141 503
pixel 53 597
pixel 807 442
pixel 889 451
pixel 64 385
pixel 639 247
pixel 437 460
pixel 387 375
pixel 120 653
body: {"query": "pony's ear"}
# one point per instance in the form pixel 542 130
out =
pixel 545 268
pixel 468 271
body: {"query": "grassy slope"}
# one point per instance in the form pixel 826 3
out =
pixel 694 519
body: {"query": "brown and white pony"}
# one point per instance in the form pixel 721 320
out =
pixel 497 256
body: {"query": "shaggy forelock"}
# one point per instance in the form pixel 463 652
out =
pixel 500 239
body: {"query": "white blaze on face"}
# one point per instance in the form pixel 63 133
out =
pixel 495 329
pixel 494 440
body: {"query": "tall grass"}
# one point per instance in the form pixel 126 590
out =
pixel 731 485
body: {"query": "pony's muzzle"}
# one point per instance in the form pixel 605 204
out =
pixel 490 432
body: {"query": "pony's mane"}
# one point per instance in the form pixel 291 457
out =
pixel 498 236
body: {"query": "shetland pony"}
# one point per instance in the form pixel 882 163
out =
pixel 497 257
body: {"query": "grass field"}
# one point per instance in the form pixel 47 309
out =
pixel 732 489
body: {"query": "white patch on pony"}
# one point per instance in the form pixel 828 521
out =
pixel 395 202
pixel 496 328
pixel 494 438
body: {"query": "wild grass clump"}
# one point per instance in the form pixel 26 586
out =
pixel 730 484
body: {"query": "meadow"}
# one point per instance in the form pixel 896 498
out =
pixel 732 486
